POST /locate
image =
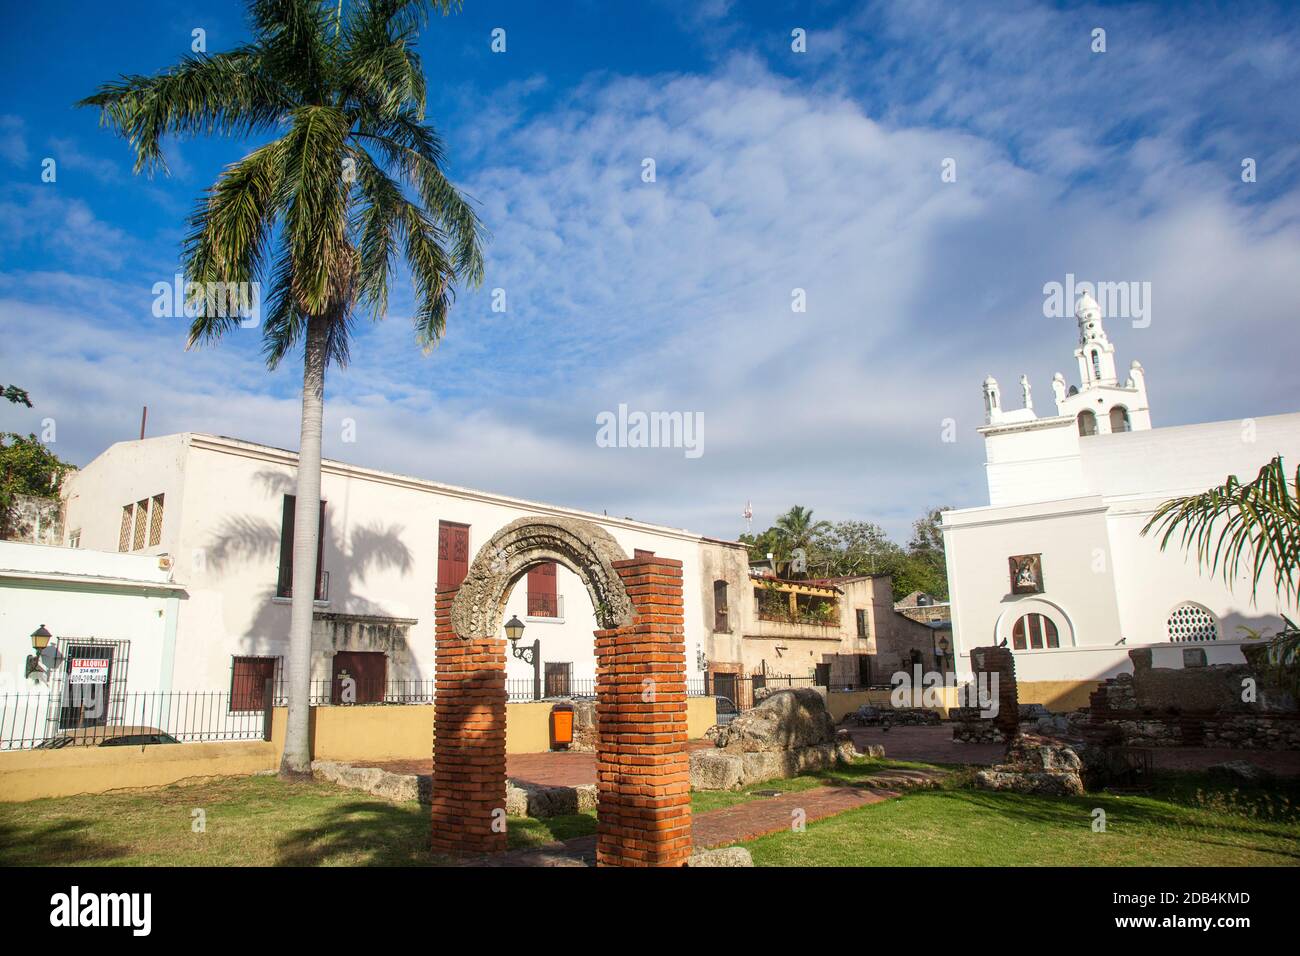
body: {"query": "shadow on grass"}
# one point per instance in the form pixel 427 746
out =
pixel 63 843
pixel 362 834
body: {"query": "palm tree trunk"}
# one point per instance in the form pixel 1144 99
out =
pixel 306 533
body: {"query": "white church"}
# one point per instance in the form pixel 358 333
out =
pixel 1055 565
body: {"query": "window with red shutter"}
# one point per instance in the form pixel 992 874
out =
pixel 542 597
pixel 453 554
pixel 248 677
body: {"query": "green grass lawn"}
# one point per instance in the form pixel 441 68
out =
pixel 1187 820
pixel 250 821
pixel 263 821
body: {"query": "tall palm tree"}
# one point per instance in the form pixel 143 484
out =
pixel 321 211
pixel 797 529
pixel 1252 528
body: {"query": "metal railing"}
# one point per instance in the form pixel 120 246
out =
pixel 84 715
pixel 545 605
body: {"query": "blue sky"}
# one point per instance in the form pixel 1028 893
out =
pixel 775 170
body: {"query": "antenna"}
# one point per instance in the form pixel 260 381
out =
pixel 144 417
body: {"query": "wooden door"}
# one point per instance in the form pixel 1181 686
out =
pixel 369 669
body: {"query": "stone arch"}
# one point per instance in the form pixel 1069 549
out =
pixel 585 548
pixel 644 804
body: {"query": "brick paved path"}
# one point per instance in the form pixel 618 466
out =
pixel 744 821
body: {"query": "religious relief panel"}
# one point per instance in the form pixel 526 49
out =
pixel 1026 573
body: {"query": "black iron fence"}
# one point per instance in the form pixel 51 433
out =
pixel 85 716
pixel 745 692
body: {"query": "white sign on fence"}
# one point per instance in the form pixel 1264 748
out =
pixel 88 670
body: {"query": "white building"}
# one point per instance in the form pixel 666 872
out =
pixel 1055 565
pixel 217 509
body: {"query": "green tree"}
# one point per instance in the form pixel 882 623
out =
pixel 16 395
pixel 27 467
pixel 321 211
pixel 797 529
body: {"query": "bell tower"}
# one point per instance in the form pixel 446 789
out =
pixel 1096 353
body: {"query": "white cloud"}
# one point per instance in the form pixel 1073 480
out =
pixel 675 295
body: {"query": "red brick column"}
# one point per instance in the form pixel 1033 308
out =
pixel 469 739
pixel 641 768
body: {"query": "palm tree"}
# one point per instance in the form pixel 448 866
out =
pixel 1252 528
pixel 320 211
pixel 796 529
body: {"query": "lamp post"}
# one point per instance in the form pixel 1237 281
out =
pixel 529 654
pixel 942 645
pixel 40 641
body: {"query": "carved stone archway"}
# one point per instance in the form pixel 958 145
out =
pixel 586 549
pixel 641 768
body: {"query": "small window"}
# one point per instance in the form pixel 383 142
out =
pixel 559 679
pixel 1191 622
pixel 1034 632
pixel 863 632
pixel 155 521
pixel 1087 423
pixel 1096 364
pixel 74 539
pixel 720 606
pixel 248 677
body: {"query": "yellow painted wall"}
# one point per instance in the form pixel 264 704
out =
pixel 841 703
pixel 1056 695
pixel 34 774
pixel 346 734
pixel 701 714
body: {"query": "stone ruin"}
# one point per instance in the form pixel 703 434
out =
pixel 789 733
pixel 1033 763
pixel 1195 705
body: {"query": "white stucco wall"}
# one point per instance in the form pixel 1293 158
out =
pixel 1099 573
pixel 82 594
pixel 380 550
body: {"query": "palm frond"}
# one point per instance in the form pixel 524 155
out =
pixel 229 94
pixel 1234 528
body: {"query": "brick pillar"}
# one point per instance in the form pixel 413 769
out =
pixel 1000 661
pixel 642 774
pixel 469 739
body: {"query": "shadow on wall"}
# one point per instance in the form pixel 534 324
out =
pixel 243 539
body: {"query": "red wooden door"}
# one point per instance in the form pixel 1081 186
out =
pixel 369 669
pixel 453 554
pixel 542 600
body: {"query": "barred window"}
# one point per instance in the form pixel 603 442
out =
pixel 124 538
pixel 155 521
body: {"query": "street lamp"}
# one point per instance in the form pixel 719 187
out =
pixel 40 641
pixel 530 654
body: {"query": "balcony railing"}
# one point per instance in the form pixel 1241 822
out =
pixel 546 605
pixel 284 584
